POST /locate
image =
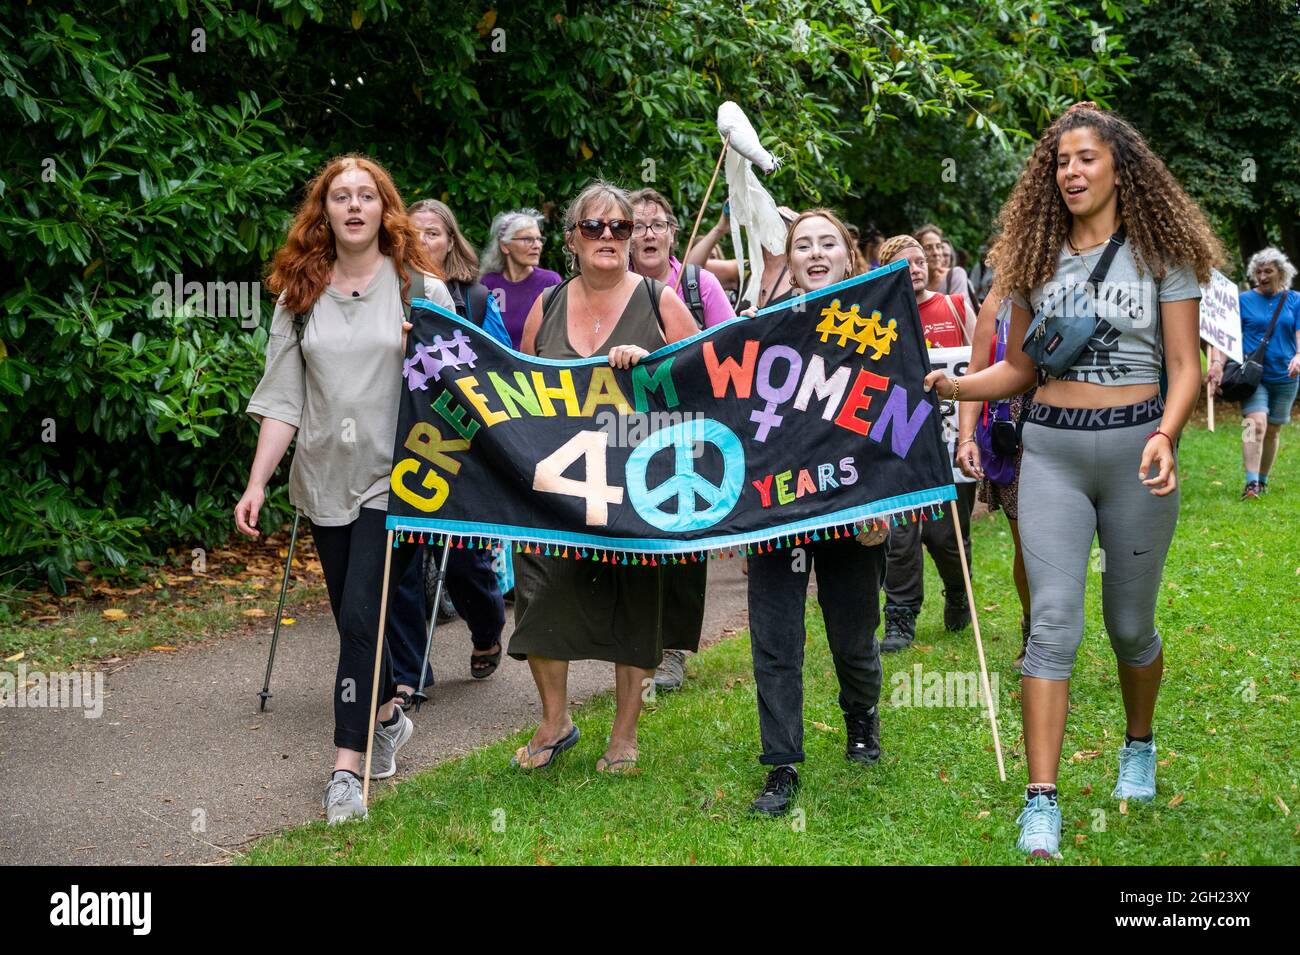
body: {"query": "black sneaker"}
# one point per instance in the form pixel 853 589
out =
pixel 1019 663
pixel 956 611
pixel 863 738
pixel 782 783
pixel 900 629
pixel 1251 491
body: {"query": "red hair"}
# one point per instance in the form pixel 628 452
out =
pixel 301 267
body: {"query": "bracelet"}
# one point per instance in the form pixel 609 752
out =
pixel 965 442
pixel 1158 431
pixel 956 388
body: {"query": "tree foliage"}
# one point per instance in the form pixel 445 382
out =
pixel 1217 91
pixel 154 142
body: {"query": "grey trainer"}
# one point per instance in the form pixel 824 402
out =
pixel 343 798
pixel 672 671
pixel 388 740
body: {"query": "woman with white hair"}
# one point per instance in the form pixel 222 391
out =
pixel 1269 407
pixel 509 267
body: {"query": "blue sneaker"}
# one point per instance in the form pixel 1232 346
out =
pixel 1040 828
pixel 1137 772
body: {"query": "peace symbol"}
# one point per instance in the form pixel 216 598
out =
pixel 685 484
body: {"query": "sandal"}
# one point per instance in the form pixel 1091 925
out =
pixel 407 700
pixel 482 666
pixel 556 748
pixel 606 765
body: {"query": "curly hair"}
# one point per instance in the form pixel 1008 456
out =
pixel 302 265
pixel 1165 226
pixel 1271 256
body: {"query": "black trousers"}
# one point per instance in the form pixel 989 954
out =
pixel 352 559
pixel 848 589
pixel 905 575
pixel 472 585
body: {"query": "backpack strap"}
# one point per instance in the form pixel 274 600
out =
pixel 650 290
pixel 476 297
pixel 548 296
pixel 691 293
pixel 417 290
pixel 961 324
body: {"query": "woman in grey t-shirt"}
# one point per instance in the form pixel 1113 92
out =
pixel 1099 444
pixel 332 381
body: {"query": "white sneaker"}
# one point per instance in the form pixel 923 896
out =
pixel 388 740
pixel 343 798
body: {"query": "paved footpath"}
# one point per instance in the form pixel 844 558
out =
pixel 181 742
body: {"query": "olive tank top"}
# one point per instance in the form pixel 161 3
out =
pixel 638 325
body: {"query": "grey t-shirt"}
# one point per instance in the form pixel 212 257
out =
pixel 345 407
pixel 1126 348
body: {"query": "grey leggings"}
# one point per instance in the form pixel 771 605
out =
pixel 1073 482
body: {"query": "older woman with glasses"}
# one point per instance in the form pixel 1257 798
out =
pixel 581 610
pixel 510 270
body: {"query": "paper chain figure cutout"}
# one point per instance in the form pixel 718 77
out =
pixel 420 367
pixel 850 326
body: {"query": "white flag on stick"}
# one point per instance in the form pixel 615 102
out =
pixel 751 206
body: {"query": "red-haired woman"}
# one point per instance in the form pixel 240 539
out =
pixel 332 378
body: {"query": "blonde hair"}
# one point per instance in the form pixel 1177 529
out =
pixel 892 247
pixel 461 264
pixel 596 192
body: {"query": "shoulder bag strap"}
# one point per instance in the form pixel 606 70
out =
pixel 1263 346
pixel 961 326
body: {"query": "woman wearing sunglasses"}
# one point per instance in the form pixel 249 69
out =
pixel 581 610
pixel 849 574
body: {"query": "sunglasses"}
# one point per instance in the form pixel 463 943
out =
pixel 620 229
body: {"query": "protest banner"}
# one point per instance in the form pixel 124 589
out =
pixel 807 419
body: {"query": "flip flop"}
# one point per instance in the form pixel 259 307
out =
pixel 604 765
pixel 555 748
pixel 487 664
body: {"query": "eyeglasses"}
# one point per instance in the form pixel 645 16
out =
pixel 658 227
pixel 620 229
pixel 530 239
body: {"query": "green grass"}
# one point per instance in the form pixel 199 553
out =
pixel 1227 731
pixel 85 638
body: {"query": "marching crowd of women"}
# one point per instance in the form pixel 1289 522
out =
pixel 1095 211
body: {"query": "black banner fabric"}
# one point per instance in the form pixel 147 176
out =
pixel 808 418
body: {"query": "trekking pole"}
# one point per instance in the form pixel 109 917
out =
pixel 279 612
pixel 419 695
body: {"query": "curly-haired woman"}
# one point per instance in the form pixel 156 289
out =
pixel 333 375
pixel 1269 407
pixel 1099 446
